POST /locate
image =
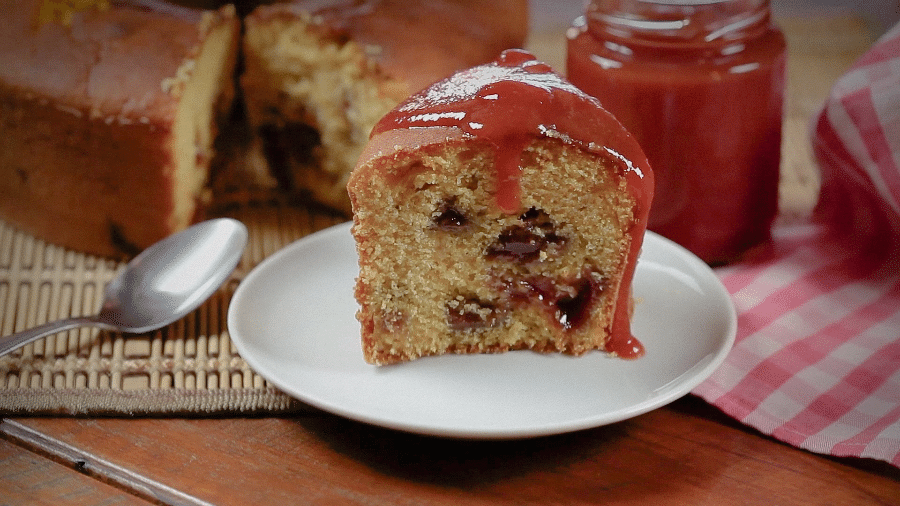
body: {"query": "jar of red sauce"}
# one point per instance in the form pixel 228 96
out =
pixel 700 84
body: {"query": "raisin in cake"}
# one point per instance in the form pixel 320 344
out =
pixel 499 209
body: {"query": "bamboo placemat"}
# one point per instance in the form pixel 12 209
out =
pixel 191 367
pixel 187 367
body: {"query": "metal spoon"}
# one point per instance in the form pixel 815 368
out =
pixel 159 286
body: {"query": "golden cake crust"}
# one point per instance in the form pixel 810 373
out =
pixel 88 104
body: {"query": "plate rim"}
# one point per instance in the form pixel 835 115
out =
pixel 684 385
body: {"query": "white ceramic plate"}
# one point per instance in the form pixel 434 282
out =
pixel 293 320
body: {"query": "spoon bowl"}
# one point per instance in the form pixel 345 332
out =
pixel 162 284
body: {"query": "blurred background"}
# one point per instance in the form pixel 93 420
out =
pixel 824 38
pixel 879 14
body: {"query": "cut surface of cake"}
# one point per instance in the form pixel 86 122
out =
pixel 320 73
pixel 499 209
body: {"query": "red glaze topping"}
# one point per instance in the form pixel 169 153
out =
pixel 511 101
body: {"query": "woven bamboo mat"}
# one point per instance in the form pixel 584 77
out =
pixel 187 367
pixel 191 367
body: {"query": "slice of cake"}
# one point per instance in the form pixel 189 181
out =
pixel 499 209
pixel 320 73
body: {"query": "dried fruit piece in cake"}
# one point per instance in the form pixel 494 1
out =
pixel 499 209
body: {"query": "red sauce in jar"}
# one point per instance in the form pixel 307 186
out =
pixel 510 102
pixel 701 86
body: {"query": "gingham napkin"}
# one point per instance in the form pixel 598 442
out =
pixel 816 363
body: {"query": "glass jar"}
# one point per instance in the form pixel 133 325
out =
pixel 700 84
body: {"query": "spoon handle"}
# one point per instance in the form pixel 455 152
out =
pixel 13 341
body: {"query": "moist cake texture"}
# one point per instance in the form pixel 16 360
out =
pixel 499 209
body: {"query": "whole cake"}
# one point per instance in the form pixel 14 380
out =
pixel 116 116
pixel 108 115
pixel 319 74
pixel 499 209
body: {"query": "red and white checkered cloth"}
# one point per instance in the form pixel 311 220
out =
pixel 816 363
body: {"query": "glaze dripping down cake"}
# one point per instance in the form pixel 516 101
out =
pixel 499 209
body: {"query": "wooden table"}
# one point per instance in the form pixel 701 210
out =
pixel 685 453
